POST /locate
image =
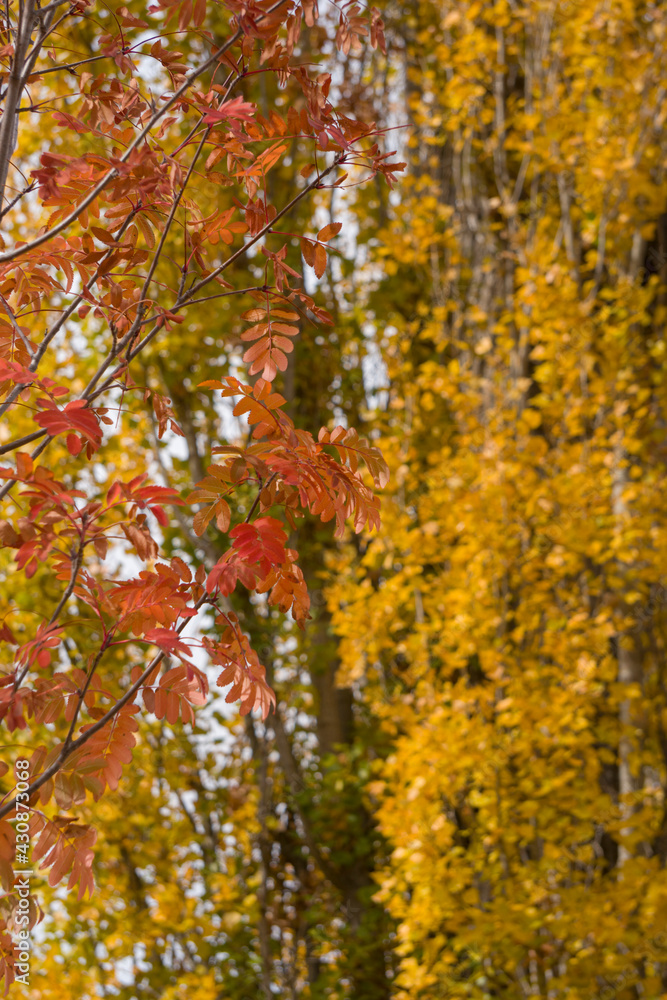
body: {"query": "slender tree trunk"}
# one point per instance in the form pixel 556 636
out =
pixel 629 671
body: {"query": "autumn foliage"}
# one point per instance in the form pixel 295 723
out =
pixel 118 128
pixel 276 745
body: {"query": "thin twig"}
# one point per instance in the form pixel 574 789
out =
pixel 9 122
pixel 17 328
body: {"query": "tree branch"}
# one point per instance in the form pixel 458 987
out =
pixel 138 139
pixel 68 750
pixel 10 123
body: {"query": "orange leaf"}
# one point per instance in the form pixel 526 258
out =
pixel 331 230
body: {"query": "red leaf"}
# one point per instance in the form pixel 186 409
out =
pixel 74 416
pixel 74 444
pixel 222 578
pixel 168 640
pixel 261 542
pixel 236 109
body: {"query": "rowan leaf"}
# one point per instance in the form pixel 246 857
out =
pixel 320 260
pixel 328 231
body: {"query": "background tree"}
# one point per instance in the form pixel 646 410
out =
pixel 507 627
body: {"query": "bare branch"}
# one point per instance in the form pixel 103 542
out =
pixel 10 123
pixel 17 328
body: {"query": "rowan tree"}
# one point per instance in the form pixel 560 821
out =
pixel 138 148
